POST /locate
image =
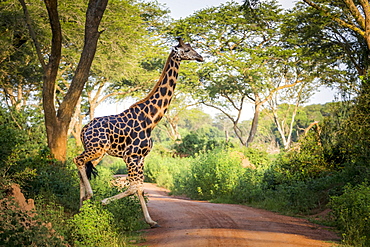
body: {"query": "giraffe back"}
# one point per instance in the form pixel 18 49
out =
pixel 127 133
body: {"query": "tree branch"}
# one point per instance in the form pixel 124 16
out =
pixel 32 34
pixel 94 14
pixel 355 13
pixel 338 20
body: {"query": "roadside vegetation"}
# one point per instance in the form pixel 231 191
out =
pixel 288 156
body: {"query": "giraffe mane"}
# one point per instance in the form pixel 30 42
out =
pixel 158 83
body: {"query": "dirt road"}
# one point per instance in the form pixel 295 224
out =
pixel 191 223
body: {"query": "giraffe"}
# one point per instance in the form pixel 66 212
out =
pixel 127 135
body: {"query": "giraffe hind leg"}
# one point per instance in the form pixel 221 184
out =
pixel 148 219
pixel 85 187
pixel 134 188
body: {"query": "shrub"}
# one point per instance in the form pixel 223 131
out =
pixel 163 169
pixel 249 187
pixel 117 165
pixel 352 214
pixel 194 143
pixel 53 180
pixel 213 175
pixel 93 226
pixel 50 212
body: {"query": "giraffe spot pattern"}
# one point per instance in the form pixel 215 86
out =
pixel 128 135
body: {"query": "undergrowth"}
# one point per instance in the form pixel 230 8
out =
pixel 58 222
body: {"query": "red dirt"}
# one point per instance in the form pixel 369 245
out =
pixel 197 223
pixel 14 192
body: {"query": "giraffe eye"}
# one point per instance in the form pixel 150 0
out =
pixel 187 50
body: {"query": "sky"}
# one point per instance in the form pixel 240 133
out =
pixel 183 8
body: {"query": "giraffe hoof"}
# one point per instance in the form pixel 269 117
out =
pixel 105 201
pixel 154 225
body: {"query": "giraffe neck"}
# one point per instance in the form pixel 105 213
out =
pixel 156 103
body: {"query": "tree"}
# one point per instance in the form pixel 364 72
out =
pixel 19 70
pixel 329 33
pixel 57 120
pixel 133 68
pixel 117 69
pixel 351 15
pixel 247 59
pixel 285 125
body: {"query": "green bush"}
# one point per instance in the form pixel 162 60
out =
pixel 249 187
pixel 54 180
pixel 196 142
pixel 93 226
pixel 352 214
pixel 50 212
pixel 22 137
pixel 213 175
pixel 163 170
pixel 117 165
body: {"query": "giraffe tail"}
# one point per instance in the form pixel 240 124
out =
pixel 90 170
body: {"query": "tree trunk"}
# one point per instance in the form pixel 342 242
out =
pixel 57 141
pixel 172 128
pixel 57 122
pixel 254 125
pixel 75 126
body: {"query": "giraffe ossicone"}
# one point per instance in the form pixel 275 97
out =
pixel 128 135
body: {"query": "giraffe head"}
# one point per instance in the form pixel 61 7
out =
pixel 186 52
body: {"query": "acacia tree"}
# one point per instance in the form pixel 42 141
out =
pixel 352 15
pixel 118 68
pixel 57 120
pixel 246 57
pixel 285 122
pixel 347 25
pixel 332 33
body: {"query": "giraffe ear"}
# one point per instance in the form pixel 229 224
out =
pixel 181 42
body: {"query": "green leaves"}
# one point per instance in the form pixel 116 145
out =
pixel 352 214
pixel 93 226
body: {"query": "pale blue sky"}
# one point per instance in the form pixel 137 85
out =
pixel 183 8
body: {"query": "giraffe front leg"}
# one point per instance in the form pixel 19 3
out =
pixel 148 219
pixel 134 188
pixel 82 190
pixel 85 187
pixel 136 178
pixel 130 191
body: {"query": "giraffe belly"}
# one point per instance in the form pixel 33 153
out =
pixel 117 150
pixel 136 147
